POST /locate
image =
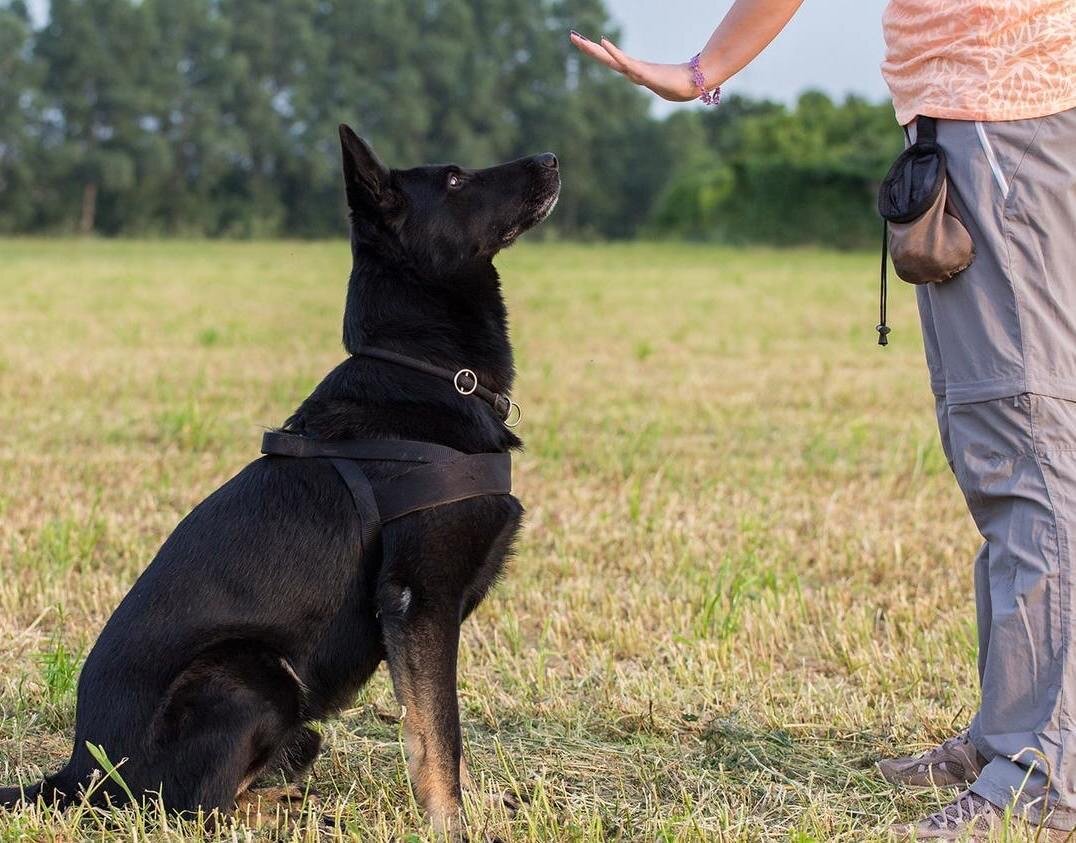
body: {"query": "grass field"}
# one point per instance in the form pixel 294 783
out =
pixel 734 592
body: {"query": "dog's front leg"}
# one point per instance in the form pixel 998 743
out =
pixel 422 644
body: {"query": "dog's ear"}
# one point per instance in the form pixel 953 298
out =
pixel 365 177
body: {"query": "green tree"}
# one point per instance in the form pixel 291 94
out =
pixel 96 55
pixel 278 51
pixel 775 175
pixel 184 153
pixel 18 100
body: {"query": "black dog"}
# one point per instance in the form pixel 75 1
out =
pixel 260 613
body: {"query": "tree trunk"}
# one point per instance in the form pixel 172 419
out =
pixel 89 208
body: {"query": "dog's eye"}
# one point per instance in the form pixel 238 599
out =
pixel 455 181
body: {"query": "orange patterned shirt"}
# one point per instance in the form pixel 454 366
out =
pixel 980 59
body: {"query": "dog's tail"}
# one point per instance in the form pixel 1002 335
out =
pixel 17 797
pixel 21 797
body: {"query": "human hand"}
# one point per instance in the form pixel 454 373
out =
pixel 672 82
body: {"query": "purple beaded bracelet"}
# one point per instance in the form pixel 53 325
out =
pixel 708 97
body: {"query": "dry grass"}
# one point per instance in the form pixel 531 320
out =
pixel 734 592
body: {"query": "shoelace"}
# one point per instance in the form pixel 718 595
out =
pixel 967 807
pixel 963 739
pixel 957 740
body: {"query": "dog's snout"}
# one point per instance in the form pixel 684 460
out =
pixel 547 160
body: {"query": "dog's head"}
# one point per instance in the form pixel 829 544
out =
pixel 445 219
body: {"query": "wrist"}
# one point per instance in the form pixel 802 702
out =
pixel 704 89
pixel 712 67
pixel 687 88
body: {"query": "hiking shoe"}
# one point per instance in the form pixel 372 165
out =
pixel 956 763
pixel 969 817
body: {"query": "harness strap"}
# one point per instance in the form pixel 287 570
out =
pixel 465 381
pixel 387 450
pixel 443 475
pixel 469 476
pixel 365 500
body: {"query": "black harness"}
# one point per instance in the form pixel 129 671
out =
pixel 440 475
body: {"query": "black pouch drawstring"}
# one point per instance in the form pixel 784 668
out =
pixel 882 328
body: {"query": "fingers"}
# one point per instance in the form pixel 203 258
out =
pixel 612 49
pixel 632 68
pixel 596 52
pixel 669 81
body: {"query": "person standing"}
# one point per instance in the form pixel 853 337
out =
pixel 999 76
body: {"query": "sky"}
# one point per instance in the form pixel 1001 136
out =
pixel 832 45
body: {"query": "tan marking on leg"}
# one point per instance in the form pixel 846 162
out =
pixel 434 785
pixel 422 653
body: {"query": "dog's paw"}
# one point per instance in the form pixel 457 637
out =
pixel 507 800
pixel 285 795
pixel 274 806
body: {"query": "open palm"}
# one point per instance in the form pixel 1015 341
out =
pixel 673 82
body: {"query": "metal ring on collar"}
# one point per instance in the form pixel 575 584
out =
pixel 462 390
pixel 509 421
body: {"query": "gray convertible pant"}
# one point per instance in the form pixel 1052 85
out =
pixel 1001 347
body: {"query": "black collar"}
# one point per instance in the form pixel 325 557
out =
pixel 465 382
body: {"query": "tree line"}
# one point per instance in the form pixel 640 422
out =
pixel 217 118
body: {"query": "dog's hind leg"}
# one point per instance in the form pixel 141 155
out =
pixel 279 796
pixel 422 643
pixel 280 783
pixel 225 720
pixel 294 759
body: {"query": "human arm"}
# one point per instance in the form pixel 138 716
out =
pixel 745 31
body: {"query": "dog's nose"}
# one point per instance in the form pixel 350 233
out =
pixel 547 159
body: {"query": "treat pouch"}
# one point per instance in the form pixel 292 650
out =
pixel 927 240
